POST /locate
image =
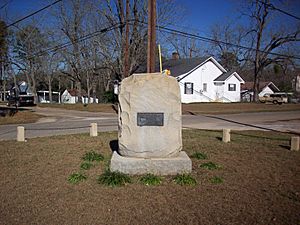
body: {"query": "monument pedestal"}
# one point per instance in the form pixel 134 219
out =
pixel 150 123
pixel 159 166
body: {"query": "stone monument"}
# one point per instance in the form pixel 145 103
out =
pixel 150 127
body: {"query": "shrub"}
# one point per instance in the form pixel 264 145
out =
pixel 109 97
pixel 113 179
pixel 216 180
pixel 210 166
pixel 93 156
pixel 185 179
pixel 86 165
pixel 76 178
pixel 150 179
pixel 199 155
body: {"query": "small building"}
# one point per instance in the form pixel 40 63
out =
pixel 264 88
pixel 204 80
pixel 43 96
pixel 71 96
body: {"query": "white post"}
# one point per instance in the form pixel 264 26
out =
pixel 226 135
pixel 295 143
pixel 93 130
pixel 20 133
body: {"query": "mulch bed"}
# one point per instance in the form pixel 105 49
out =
pixel 261 183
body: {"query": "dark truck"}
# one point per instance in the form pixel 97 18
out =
pixel 20 95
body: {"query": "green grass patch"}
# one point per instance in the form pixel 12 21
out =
pixel 93 156
pixel 150 179
pixel 184 179
pixel 86 165
pixel 199 155
pixel 113 179
pixel 210 166
pixel 216 180
pixel 76 178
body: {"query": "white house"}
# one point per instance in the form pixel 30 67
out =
pixel 264 88
pixel 71 96
pixel 204 80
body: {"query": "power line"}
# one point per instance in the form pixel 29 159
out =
pixel 31 14
pixel 69 43
pixel 5 4
pixel 211 40
pixel 278 9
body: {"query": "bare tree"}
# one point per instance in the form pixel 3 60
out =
pixel 28 42
pixel 3 55
pixel 267 39
pixel 72 16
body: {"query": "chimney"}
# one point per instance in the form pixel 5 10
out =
pixel 175 55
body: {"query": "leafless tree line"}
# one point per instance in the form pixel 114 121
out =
pixel 94 62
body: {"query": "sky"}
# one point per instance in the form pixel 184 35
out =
pixel 197 12
pixel 199 15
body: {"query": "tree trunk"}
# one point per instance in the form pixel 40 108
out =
pixel 94 93
pixel 33 89
pixel 78 87
pixel 50 89
pixel 88 86
pixel 59 100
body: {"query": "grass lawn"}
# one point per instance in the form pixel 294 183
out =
pixel 195 108
pixel 109 108
pixel 20 117
pixel 226 108
pixel 252 180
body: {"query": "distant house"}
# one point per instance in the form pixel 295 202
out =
pixel 71 96
pixel 264 88
pixel 204 80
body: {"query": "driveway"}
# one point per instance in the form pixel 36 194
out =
pixel 60 121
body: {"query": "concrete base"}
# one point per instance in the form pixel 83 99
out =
pixel 159 166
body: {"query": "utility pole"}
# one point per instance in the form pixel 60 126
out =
pixel 151 36
pixel 126 52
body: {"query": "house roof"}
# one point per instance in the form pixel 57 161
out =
pixel 248 86
pixel 225 76
pixel 186 66
pixel 181 66
pixel 75 92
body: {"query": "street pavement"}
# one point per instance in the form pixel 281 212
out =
pixel 60 122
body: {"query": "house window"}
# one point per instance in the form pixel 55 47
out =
pixel 231 87
pixel 205 87
pixel 188 88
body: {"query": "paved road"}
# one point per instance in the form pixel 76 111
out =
pixel 59 121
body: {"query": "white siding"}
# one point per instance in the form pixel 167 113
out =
pixel 232 96
pixel 67 98
pixel 265 90
pixel 204 74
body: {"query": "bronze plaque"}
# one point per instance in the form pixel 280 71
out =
pixel 150 119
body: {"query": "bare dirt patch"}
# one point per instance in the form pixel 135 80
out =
pixel 261 179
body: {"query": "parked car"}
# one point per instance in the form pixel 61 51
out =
pixel 276 98
pixel 20 95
